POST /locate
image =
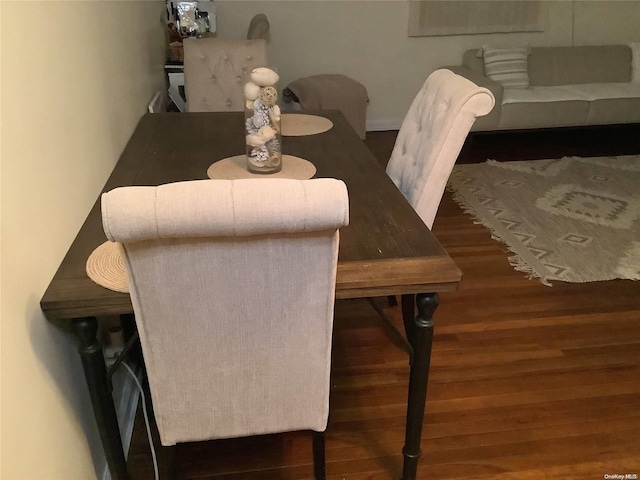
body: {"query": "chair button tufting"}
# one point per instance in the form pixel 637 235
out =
pixel 239 78
pixel 213 78
pixel 250 57
pixel 228 102
pixel 226 58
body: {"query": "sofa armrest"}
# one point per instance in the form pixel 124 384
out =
pixel 492 119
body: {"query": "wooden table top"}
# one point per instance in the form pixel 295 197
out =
pixel 386 249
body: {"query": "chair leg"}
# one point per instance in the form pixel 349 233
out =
pixel 318 456
pixel 170 459
pixel 393 301
pixel 397 336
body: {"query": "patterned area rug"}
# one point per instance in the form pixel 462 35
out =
pixel 571 219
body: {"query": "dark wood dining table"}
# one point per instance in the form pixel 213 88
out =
pixel 385 250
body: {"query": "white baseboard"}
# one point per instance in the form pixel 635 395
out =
pixel 382 125
pixel 126 412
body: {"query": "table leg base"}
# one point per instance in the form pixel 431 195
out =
pixel 410 466
pixel 95 371
pixel 420 334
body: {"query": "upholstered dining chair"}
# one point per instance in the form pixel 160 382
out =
pixel 232 284
pixel 213 71
pixel 431 137
pixel 258 27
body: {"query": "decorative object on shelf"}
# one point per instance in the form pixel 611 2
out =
pixel 262 120
pixel 176 52
pixel 186 18
pixel 204 26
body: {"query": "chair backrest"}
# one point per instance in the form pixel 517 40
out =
pixel 258 27
pixel 232 284
pixel 213 72
pixel 431 137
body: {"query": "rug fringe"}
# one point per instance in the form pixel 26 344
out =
pixel 515 260
pixel 520 265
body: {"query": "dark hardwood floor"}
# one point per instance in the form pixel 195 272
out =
pixel 527 381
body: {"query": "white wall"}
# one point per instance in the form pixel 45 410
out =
pixel 76 78
pixel 606 22
pixel 367 40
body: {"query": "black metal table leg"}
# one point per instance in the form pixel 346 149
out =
pixel 420 335
pixel 408 317
pixel 95 372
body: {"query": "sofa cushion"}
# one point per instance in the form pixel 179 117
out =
pixel 570 105
pixel 507 66
pixel 599 91
pixel 614 111
pixel 574 65
pixel 526 115
pixel 635 62
pixel 560 93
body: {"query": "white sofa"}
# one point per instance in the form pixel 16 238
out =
pixel 567 86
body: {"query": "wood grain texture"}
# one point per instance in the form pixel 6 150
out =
pixel 386 249
pixel 527 382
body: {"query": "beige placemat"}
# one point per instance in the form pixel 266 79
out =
pixel 233 168
pixel 300 124
pixel 105 266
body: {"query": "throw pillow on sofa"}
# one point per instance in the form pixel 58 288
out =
pixel 507 66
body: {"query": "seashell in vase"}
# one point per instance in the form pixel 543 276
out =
pixel 274 158
pixel 262 121
pixel 264 76
pixel 274 117
pixel 256 140
pixel 251 91
pixel 267 133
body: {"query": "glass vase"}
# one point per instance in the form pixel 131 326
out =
pixel 262 120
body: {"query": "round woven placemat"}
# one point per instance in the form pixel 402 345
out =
pixel 105 266
pixel 300 124
pixel 233 168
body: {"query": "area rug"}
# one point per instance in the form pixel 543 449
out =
pixel 570 219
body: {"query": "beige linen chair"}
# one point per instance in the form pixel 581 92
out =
pixel 213 72
pixel 233 283
pixel 431 137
